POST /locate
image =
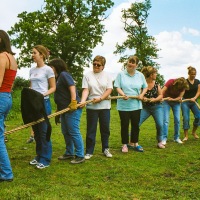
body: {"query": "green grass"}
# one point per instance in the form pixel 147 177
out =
pixel 171 173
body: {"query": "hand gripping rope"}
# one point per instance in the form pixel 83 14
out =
pixel 78 105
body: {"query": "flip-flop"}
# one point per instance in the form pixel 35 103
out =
pixel 185 139
pixel 139 148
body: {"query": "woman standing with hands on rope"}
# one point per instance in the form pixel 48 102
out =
pixel 130 82
pixel 8 71
pixel 42 80
pixel 97 85
pixel 173 92
pixel 66 96
pixel 192 94
pixel 152 103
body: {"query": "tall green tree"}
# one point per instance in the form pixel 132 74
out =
pixel 69 28
pixel 138 40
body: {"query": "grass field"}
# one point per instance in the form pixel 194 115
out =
pixel 171 173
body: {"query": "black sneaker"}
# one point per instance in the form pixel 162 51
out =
pixel 78 160
pixel 8 180
pixel 5 139
pixel 65 157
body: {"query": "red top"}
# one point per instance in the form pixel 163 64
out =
pixel 171 92
pixel 9 77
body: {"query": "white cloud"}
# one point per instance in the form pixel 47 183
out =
pixel 10 10
pixel 191 31
pixel 176 54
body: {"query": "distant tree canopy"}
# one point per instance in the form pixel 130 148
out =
pixel 138 39
pixel 71 29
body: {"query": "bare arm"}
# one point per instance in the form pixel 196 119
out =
pixel 72 90
pixel 159 97
pixel 52 86
pixel 103 96
pixel 3 63
pixel 141 95
pixel 197 94
pixel 85 94
pixel 121 93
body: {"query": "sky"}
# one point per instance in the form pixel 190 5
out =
pixel 175 24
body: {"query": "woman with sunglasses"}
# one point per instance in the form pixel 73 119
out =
pixel 130 82
pixel 97 86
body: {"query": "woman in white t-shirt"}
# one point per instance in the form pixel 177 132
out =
pixel 97 85
pixel 42 80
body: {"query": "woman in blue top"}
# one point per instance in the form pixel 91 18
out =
pixel 192 94
pixel 130 82
pixel 66 96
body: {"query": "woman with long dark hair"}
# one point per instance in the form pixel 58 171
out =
pixel 8 71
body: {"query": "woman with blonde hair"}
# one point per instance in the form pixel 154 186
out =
pixel 173 92
pixel 192 94
pixel 152 105
pixel 42 80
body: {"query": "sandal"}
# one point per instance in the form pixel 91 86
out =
pixel 139 148
pixel 185 139
pixel 130 146
pixel 195 135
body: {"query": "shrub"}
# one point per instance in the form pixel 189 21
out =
pixel 20 82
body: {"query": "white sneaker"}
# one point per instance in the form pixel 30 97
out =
pixel 164 142
pixel 178 141
pixel 88 156
pixel 34 162
pixel 107 153
pixel 160 145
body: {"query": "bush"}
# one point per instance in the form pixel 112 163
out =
pixel 20 82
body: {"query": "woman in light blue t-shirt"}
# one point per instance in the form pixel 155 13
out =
pixel 130 82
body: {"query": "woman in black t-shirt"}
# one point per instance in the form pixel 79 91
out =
pixel 192 94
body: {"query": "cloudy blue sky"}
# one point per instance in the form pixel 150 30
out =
pixel 174 23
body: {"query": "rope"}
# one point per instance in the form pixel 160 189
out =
pixel 59 113
pixel 78 105
pixel 192 101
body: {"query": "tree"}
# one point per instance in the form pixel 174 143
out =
pixel 135 19
pixel 69 28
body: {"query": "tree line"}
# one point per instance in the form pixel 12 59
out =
pixel 71 29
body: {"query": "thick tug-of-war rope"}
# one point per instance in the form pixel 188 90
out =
pixel 78 105
pixel 59 113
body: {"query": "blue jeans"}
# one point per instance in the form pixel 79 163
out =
pixel 70 124
pixel 176 112
pixel 186 107
pixel 5 106
pixel 156 112
pixel 104 121
pixel 43 147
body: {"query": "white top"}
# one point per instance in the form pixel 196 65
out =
pixel 97 83
pixel 39 78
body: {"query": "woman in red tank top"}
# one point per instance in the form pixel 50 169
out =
pixel 8 70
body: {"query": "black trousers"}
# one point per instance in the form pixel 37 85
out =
pixel 134 118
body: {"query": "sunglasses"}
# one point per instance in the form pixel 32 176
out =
pixel 95 64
